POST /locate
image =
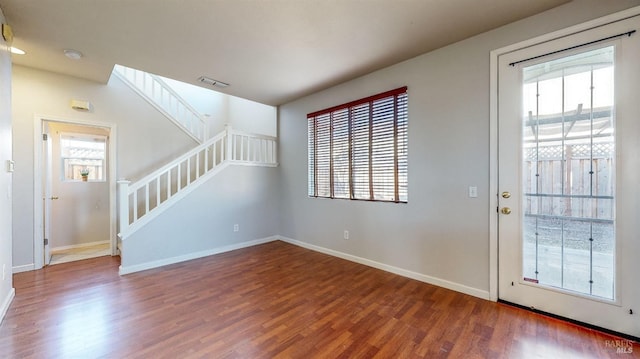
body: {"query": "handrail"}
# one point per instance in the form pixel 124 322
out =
pixel 142 201
pixel 139 183
pixel 166 100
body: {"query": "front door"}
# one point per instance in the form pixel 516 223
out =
pixel 569 171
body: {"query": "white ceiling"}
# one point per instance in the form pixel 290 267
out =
pixel 270 51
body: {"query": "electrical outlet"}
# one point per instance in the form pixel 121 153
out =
pixel 346 234
pixel 236 228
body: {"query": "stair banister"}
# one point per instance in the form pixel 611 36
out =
pixel 166 100
pixel 228 147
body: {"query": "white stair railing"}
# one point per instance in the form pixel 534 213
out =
pixel 165 100
pixel 142 201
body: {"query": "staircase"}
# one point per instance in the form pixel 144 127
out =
pixel 165 100
pixel 142 201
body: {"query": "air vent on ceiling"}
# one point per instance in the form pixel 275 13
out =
pixel 212 82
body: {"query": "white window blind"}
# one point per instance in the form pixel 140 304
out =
pixel 359 150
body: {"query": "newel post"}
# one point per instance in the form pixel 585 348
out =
pixel 123 205
pixel 229 135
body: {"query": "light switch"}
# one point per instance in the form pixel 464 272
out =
pixel 473 191
pixel 10 166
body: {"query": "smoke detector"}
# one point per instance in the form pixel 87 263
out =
pixel 73 54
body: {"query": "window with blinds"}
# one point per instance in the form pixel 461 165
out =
pixel 359 150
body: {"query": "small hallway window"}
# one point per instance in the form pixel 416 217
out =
pixel 83 157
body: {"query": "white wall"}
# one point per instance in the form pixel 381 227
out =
pixel 252 117
pixel 441 234
pixel 6 279
pixel 146 139
pixel 202 223
pixel 211 104
pixel 245 115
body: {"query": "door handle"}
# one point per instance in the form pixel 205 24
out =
pixel 506 194
pixel 505 210
pixel 54 197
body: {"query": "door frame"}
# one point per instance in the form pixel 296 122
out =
pixel 493 125
pixel 38 190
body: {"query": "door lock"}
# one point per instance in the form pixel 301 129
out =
pixel 505 210
pixel 506 194
pixel 54 197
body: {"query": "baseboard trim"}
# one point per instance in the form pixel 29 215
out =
pixel 391 269
pixel 6 303
pixel 81 245
pixel 195 255
pixel 23 268
pixel 483 294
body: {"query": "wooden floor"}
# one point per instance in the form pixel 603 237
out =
pixel 272 301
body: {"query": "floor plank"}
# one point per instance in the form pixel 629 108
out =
pixel 272 301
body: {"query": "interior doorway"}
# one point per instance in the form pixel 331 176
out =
pixel 75 191
pixel 79 213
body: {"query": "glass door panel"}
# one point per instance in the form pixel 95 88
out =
pixel 568 174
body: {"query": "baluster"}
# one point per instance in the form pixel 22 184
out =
pixel 135 205
pixel 241 148
pixel 157 91
pixel 215 155
pixel 249 148
pixel 198 165
pixel 229 144
pixel 169 183
pixel 179 177
pixel 158 190
pixel 274 152
pixel 146 198
pixel 234 144
pixel 144 84
pixel 163 91
pixel 189 170
pixel 206 160
pixel 267 150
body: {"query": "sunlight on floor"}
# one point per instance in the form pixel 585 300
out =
pixel 76 254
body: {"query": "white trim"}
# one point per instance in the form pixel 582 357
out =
pixel 385 267
pixel 6 303
pixel 493 177
pixel 38 249
pixel 81 245
pixel 187 257
pixel 493 125
pixel 391 269
pixel 23 268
